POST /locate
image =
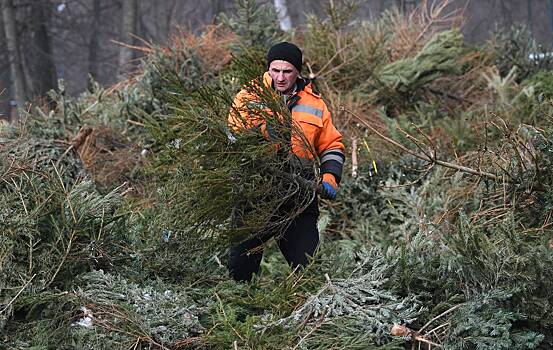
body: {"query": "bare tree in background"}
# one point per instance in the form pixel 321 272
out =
pixel 41 40
pixel 155 22
pixel 530 16
pixel 382 6
pixel 218 6
pixel 128 29
pixel 12 42
pixel 550 6
pixel 283 16
pixel 42 76
pixel 93 44
pixel 406 5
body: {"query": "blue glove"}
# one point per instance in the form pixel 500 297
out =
pixel 327 191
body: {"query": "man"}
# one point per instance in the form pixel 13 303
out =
pixel 311 116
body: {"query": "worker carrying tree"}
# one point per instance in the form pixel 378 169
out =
pixel 313 138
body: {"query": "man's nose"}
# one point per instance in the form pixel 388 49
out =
pixel 280 76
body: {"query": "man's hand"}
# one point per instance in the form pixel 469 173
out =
pixel 329 187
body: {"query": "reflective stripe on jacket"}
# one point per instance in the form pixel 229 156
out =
pixel 311 115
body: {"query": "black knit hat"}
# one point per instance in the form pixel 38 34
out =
pixel 285 51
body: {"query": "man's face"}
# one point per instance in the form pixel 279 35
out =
pixel 284 75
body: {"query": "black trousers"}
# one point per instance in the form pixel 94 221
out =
pixel 297 244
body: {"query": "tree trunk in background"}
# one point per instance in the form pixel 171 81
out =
pixel 530 16
pixel 41 62
pixel 382 6
pixel 12 43
pixel 167 24
pixel 409 5
pixel 399 4
pixel 93 44
pixel 406 6
pixel 128 28
pixel 550 3
pixel 283 16
pixel 217 7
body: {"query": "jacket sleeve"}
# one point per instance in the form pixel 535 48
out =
pixel 330 148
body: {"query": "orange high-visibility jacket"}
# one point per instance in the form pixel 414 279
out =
pixel 311 115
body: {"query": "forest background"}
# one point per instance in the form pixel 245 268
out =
pixel 77 39
pixel 117 204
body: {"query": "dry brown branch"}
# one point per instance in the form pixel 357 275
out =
pixel 321 71
pixel 319 323
pixel 146 50
pixel 188 343
pixel 451 309
pixel 454 166
pixel 17 295
pixel 103 316
pixel 411 183
pixel 433 14
pixel 404 331
pixel 109 158
pixel 417 143
pixel 423 134
pixel 412 32
pixel 77 141
pixel 212 47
